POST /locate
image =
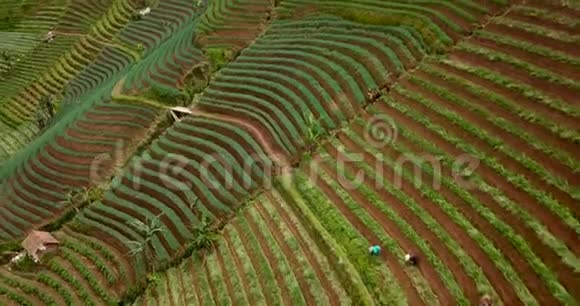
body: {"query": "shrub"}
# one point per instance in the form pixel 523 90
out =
pixel 166 95
pixel 219 57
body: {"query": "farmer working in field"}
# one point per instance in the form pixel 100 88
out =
pixel 411 259
pixel 374 250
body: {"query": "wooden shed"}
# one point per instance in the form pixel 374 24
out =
pixel 38 243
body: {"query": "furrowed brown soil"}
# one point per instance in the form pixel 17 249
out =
pixel 119 128
pixel 67 287
pixel 37 171
pixel 81 147
pixel 76 162
pixel 399 273
pixel 206 167
pixel 286 297
pixel 497 279
pixel 542 21
pixel 552 43
pixel 40 286
pixel 193 298
pixel 225 275
pixel 307 84
pixel 151 208
pixel 7 221
pixel 162 198
pixel 544 214
pixel 520 145
pixel 66 175
pixel 451 15
pixel 194 171
pixel 34 191
pixel 239 267
pixel 529 276
pixel 43 184
pixel 555 90
pixel 240 159
pixel 93 296
pixel 114 118
pixel 345 96
pixel 392 230
pixel 249 104
pixel 145 113
pixel 555 6
pixel 96 273
pixel 115 265
pixel 170 290
pixel 214 294
pixel 324 279
pixel 544 62
pixel 29 298
pixel 551 163
pixel 260 135
pixel 569 147
pixel 296 267
pixel 9 209
pixel 254 255
pixel 79 134
pixel 131 213
pixel 23 202
pixel 255 81
pixel 517 98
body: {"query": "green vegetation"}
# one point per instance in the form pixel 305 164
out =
pixel 149 210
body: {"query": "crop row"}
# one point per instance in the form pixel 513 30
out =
pixel 264 256
pixel 79 154
pixel 198 158
pixel 233 24
pixel 254 83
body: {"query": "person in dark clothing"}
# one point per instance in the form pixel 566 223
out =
pixel 411 259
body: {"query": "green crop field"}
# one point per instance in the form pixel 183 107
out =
pixel 250 152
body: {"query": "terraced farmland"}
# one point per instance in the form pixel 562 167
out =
pixel 307 131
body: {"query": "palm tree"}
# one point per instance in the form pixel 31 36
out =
pixel 204 235
pixel 147 229
pixel 314 132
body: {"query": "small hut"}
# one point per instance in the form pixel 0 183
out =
pixel 179 112
pixel 38 243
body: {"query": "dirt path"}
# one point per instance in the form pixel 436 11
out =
pixel 262 137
